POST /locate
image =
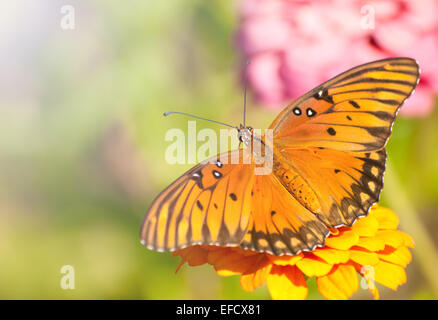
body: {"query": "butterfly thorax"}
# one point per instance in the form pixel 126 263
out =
pixel 260 149
pixel 245 135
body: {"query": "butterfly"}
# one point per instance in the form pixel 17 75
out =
pixel 327 171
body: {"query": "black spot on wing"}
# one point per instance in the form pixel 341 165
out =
pixel 331 131
pixel 297 111
pixel 323 95
pixel 310 112
pixel 354 104
pixel 217 174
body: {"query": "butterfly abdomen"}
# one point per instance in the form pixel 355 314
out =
pixel 298 187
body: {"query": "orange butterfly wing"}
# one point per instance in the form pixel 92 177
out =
pixel 209 204
pixel 279 223
pixel 227 204
pixel 346 184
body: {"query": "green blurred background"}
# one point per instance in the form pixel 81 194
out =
pixel 82 147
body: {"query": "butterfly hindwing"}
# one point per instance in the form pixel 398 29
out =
pixel 209 204
pixel 279 223
pixel 346 184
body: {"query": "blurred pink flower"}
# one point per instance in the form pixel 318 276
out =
pixel 296 45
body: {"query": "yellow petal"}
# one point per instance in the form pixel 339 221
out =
pixel 285 260
pixel 386 218
pixel 332 256
pixel 339 284
pixel 371 244
pixel 408 241
pixel 312 266
pixel 286 283
pixel 226 272
pixel 390 275
pixel 365 227
pixel 344 241
pixel 363 257
pixel 393 238
pixel 249 282
pixel 400 256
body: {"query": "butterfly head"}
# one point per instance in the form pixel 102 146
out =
pixel 245 134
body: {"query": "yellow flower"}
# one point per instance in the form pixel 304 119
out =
pixel 372 248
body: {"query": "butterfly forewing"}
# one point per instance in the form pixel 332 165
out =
pixel 351 112
pixel 209 204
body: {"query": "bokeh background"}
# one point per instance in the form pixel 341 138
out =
pixel 82 144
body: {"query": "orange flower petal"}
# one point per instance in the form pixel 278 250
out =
pixel 363 257
pixel 372 247
pixel 250 281
pixel 286 283
pixel 365 227
pixel 244 252
pixel 339 284
pixel 400 256
pixel 332 256
pixel 389 275
pixel 285 260
pixel 228 262
pixel 371 244
pixel 258 262
pixel 194 255
pixel 312 266
pixel 386 218
pixel 344 241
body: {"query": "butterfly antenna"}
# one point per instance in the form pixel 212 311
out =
pixel 193 116
pixel 244 92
